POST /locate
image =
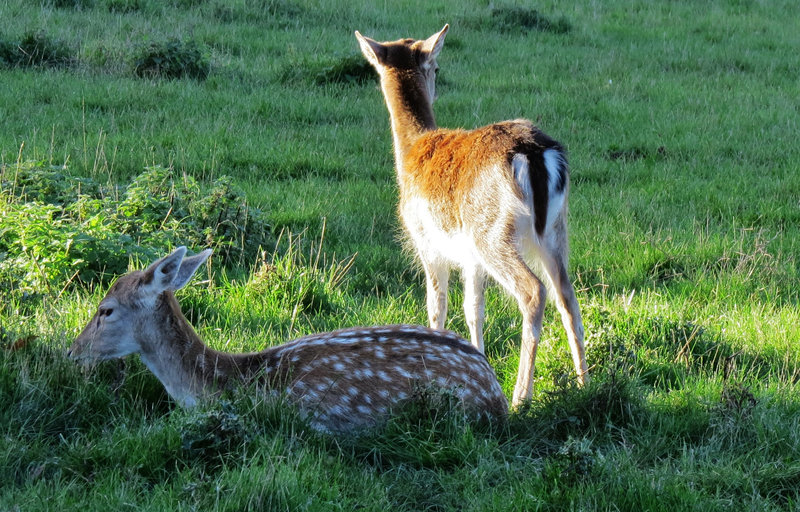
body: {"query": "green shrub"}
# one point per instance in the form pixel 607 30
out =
pixel 172 59
pixel 515 18
pixel 211 435
pixel 607 405
pixel 124 6
pixel 58 229
pixel 431 429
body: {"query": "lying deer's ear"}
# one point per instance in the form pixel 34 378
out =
pixel 171 272
pixel 159 276
pixel 187 269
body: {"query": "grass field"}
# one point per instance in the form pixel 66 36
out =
pixel 681 120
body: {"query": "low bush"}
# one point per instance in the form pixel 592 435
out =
pixel 348 69
pixel 59 229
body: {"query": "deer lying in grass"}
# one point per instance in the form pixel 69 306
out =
pixel 485 200
pixel 341 380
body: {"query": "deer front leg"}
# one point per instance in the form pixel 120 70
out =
pixel 436 281
pixel 474 304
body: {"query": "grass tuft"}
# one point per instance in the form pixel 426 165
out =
pixel 212 436
pixel 124 6
pixel 324 70
pixel 429 430
pixel 507 19
pixel 71 4
pixel 173 59
pixel 348 69
pixel 514 18
pixel 609 404
pixel 36 50
pixel 636 153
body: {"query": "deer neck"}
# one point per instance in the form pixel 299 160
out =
pixel 410 110
pixel 172 350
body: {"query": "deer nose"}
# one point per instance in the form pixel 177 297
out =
pixel 71 352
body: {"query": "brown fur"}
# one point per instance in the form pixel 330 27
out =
pixel 444 165
pixel 484 200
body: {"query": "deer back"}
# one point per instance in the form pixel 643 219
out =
pixel 355 377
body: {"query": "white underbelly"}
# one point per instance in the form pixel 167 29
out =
pixel 454 247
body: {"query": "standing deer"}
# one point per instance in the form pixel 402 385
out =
pixel 341 380
pixel 486 201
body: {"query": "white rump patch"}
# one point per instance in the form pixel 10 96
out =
pixel 521 168
pixel 553 162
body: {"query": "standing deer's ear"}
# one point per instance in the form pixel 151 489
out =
pixel 374 51
pixel 171 272
pixel 433 45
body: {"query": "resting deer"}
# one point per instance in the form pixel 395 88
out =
pixel 486 201
pixel 342 380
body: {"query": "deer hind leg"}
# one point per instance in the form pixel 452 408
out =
pixel 554 263
pixel 436 280
pixel 517 279
pixel 474 303
pixel 531 303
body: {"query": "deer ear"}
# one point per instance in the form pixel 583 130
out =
pixel 374 51
pixel 187 269
pixel 159 276
pixel 172 272
pixel 433 45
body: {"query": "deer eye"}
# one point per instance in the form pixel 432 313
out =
pixel 106 311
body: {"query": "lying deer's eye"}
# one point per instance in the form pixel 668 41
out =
pixel 106 311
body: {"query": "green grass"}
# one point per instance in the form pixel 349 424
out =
pixel 681 123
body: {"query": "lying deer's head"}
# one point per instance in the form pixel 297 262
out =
pixel 114 330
